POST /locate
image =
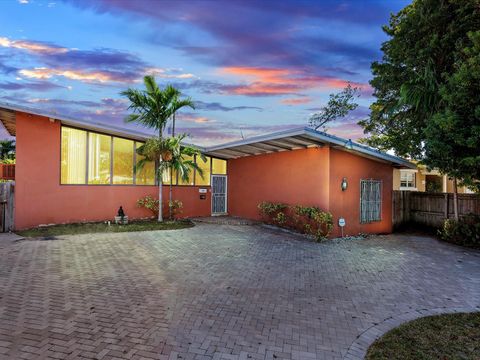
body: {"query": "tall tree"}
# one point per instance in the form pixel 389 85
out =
pixel 152 108
pixel 338 106
pixel 420 60
pixel 177 104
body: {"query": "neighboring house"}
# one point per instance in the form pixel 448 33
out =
pixel 73 171
pixel 424 180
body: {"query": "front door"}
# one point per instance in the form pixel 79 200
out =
pixel 219 194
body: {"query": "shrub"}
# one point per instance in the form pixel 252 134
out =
pixel 273 212
pixel 177 208
pixel 464 232
pixel 149 203
pixel 305 219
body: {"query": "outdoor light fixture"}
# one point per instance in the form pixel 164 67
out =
pixel 344 184
pixel 349 144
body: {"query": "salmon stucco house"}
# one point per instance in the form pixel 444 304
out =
pixel 74 171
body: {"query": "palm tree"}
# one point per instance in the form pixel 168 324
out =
pixel 182 163
pixel 175 157
pixel 177 103
pixel 153 107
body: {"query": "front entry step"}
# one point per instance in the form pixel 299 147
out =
pixel 224 220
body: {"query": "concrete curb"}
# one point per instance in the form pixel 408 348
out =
pixel 358 349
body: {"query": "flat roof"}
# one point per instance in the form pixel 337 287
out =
pixel 300 138
pixel 286 140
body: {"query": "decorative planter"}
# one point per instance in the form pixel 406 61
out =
pixel 120 220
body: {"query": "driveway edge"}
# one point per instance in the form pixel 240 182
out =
pixel 358 349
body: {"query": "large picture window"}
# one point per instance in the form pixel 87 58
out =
pixel 122 161
pixel 191 174
pixel 205 166
pixel 219 166
pixel 73 156
pixel 99 158
pixel 145 176
pixel 370 201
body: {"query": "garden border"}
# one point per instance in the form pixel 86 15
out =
pixel 358 349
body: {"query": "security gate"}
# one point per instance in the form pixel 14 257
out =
pixel 219 194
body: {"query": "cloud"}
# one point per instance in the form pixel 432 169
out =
pixel 296 101
pixel 43 73
pixel 192 118
pixel 25 85
pixel 4 68
pixel 100 65
pixel 215 106
pixel 288 34
pixel 33 46
pixel 272 81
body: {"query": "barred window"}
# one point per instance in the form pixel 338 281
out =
pixel 370 201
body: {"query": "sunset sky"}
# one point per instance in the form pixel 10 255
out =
pixel 251 66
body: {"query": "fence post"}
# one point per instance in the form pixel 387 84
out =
pixel 445 211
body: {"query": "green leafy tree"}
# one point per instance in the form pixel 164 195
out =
pixel 152 108
pixel 7 149
pixel 415 112
pixel 453 134
pixel 338 106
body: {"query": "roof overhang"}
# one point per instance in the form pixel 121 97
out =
pixel 8 119
pixel 300 138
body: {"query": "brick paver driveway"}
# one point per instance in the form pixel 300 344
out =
pixel 217 292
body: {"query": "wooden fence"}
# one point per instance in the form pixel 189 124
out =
pixel 430 209
pixel 7 190
pixel 7 171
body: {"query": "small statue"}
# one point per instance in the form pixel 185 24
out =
pixel 121 218
pixel 121 213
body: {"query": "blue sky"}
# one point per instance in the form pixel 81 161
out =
pixel 251 66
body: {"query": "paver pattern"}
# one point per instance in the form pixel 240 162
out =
pixel 218 292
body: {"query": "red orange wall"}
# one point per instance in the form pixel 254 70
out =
pixel 309 177
pixel 293 177
pixel 40 199
pixel 346 203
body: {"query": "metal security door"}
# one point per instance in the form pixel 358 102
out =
pixel 219 194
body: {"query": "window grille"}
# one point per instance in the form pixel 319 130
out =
pixel 370 200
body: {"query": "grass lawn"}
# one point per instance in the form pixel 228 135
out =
pixel 450 336
pixel 101 227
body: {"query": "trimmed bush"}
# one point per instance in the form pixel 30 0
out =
pixel 464 232
pixel 149 203
pixel 309 220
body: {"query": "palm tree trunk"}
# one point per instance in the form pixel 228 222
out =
pixel 160 185
pixel 160 195
pixel 170 212
pixel 455 199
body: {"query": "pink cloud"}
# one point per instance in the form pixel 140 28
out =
pixel 277 81
pixel 32 46
pixel 296 101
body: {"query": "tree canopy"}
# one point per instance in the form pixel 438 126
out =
pixel 427 87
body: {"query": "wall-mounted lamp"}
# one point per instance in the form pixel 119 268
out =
pixel 344 184
pixel 349 144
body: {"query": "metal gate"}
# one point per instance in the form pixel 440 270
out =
pixel 219 194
